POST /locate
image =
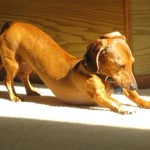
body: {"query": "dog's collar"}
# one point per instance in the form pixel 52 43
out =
pixel 104 77
pixel 83 62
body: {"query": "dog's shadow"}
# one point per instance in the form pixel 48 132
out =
pixel 47 100
pixel 52 101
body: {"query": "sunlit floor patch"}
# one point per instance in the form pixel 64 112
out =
pixel 45 108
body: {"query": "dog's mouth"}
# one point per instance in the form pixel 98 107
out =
pixel 125 80
pixel 131 86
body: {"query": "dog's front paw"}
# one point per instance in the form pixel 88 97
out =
pixel 126 110
pixel 144 104
pixel 122 109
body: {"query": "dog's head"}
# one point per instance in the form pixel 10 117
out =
pixel 111 56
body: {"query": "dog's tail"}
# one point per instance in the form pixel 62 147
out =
pixel 1 64
pixel 4 28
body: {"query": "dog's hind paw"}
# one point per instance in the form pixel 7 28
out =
pixel 15 99
pixel 33 93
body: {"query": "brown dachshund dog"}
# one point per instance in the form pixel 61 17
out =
pixel 108 62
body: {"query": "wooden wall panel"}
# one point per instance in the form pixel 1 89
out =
pixel 71 23
pixel 140 13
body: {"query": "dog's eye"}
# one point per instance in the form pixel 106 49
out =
pixel 122 65
pixel 103 51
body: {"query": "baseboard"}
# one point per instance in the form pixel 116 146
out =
pixel 143 81
pixel 33 77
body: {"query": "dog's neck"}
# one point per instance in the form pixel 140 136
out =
pixel 101 75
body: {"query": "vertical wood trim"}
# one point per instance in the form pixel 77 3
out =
pixel 127 22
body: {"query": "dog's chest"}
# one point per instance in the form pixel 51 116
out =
pixel 109 87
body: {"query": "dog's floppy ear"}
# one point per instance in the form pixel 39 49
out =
pixel 123 37
pixel 113 35
pixel 91 57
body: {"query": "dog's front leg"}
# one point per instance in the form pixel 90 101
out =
pixel 96 91
pixel 133 95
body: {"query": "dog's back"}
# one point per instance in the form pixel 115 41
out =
pixel 36 48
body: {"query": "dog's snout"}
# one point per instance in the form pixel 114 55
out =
pixel 133 87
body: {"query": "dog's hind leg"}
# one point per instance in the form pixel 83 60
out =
pixel 11 66
pixel 23 75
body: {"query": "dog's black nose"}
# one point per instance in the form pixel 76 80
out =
pixel 133 87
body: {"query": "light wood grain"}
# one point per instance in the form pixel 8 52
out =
pixel 71 23
pixel 141 35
